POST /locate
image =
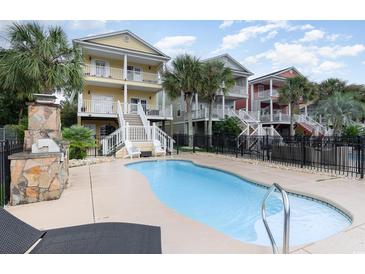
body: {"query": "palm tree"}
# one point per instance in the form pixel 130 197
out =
pixel 183 78
pixel 296 90
pixel 340 109
pixel 330 86
pixel 40 61
pixel 215 77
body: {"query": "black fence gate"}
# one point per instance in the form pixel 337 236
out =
pixel 7 147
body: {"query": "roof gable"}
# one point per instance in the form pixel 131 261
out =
pixel 283 73
pixel 231 63
pixel 124 40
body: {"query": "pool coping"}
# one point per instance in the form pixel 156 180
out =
pixel 313 197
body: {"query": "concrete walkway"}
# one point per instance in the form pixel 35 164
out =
pixel 110 192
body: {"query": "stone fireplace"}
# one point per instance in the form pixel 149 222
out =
pixel 40 172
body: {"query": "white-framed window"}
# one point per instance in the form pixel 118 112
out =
pixel 134 73
pixel 260 87
pixel 100 68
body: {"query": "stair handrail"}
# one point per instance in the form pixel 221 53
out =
pixel 144 120
pixel 286 232
pixel 167 142
pixel 121 119
pixel 110 142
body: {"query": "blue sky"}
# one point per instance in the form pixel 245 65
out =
pixel 320 49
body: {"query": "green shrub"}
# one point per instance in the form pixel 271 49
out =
pixel 229 126
pixel 80 138
pixel 353 131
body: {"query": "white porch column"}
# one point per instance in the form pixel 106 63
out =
pixel 246 88
pixel 234 105
pixel 246 104
pixel 271 110
pixel 163 92
pixel 196 102
pixel 252 97
pixel 271 103
pixel 289 110
pixel 270 87
pixel 163 102
pixel 125 67
pixel 125 96
pixel 305 110
pixel 79 102
pixel 223 106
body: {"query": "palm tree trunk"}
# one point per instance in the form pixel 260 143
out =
pixel 20 114
pixel 291 121
pixel 190 119
pixel 210 122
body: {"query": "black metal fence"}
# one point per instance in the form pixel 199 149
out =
pixel 7 147
pixel 95 151
pixel 338 155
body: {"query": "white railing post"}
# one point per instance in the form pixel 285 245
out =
pixel 79 102
pixel 153 131
pixel 127 131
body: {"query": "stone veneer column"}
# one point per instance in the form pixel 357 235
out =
pixel 40 176
pixel 44 121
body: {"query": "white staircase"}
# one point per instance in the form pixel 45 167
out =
pixel 136 128
pixel 312 125
pixel 252 127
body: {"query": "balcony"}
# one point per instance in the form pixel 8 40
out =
pixel 238 90
pixel 102 108
pixel 106 72
pixel 265 94
pixel 203 114
pixel 277 117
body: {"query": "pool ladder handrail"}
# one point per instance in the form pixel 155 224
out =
pixel 286 204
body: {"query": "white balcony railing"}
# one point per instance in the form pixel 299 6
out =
pixel 158 111
pixel 118 74
pixel 265 94
pixel 98 106
pixel 111 107
pixel 240 90
pixel 140 76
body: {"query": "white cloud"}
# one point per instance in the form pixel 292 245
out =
pixel 270 35
pixel 340 51
pixel 363 62
pixel 310 59
pixel 333 37
pixel 300 27
pixel 174 45
pixel 312 35
pixel 269 28
pixel 329 66
pixel 226 23
pixel 285 54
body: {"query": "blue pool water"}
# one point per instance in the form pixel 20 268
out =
pixel 233 206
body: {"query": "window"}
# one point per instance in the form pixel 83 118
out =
pixel 134 73
pixel 100 68
pixel 261 87
pixel 106 130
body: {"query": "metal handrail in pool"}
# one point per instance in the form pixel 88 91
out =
pixel 286 204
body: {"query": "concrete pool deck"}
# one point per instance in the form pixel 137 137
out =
pixel 110 192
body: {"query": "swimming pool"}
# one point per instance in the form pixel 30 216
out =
pixel 232 205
